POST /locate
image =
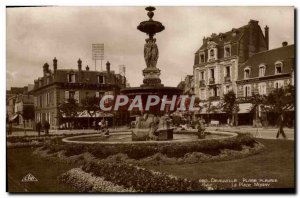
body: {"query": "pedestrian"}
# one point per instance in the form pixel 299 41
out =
pixel 46 127
pixel 38 128
pixel 280 122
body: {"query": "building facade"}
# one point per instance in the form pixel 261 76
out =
pixel 216 62
pixel 58 85
pixel 264 72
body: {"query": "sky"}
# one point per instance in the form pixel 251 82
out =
pixel 35 36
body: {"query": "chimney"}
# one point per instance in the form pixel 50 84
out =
pixel 108 66
pixel 284 44
pixel 87 68
pixel 45 69
pixel 204 39
pixel 79 69
pixel 267 36
pixel 79 64
pixel 54 65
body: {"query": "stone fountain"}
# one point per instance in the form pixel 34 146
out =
pixel 151 83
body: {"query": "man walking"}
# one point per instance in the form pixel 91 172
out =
pixel 46 127
pixel 281 124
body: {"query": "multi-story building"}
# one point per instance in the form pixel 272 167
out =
pixel 21 103
pixel 58 85
pixel 262 73
pixel 12 98
pixel 217 61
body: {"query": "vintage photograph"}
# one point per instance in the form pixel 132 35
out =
pixel 150 99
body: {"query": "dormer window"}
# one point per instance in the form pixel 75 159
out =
pixel 247 71
pixel 262 70
pixel 101 79
pixel 278 67
pixel 202 57
pixel 227 51
pixel 71 78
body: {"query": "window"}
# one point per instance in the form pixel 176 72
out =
pixel 72 94
pixel 278 84
pixel 247 73
pixel 262 89
pixel 47 98
pixel 247 90
pixel 202 58
pixel 227 71
pixel 101 79
pixel 214 92
pixel 262 70
pixel 202 75
pixel 71 78
pixel 202 94
pixel 227 51
pixel 278 67
pixel 212 73
pixel 99 94
pixel 211 53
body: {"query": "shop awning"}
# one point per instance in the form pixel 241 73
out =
pixel 245 107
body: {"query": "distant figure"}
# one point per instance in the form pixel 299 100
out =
pixel 280 122
pixel 9 128
pixel 46 127
pixel 200 127
pixel 39 128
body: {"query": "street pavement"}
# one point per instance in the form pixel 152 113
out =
pixel 265 133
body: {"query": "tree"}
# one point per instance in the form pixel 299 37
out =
pixel 256 100
pixel 91 105
pixel 231 107
pixel 280 100
pixel 69 108
pixel 210 108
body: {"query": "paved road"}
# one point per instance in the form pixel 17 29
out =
pixel 265 133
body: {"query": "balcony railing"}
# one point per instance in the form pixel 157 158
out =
pixel 214 97
pixel 211 81
pixel 227 79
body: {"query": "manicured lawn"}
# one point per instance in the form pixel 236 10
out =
pixel 20 162
pixel 276 162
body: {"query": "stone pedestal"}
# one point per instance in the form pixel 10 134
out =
pixel 151 77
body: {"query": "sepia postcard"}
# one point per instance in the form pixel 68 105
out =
pixel 150 99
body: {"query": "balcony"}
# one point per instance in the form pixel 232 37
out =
pixel 227 79
pixel 202 82
pixel 211 81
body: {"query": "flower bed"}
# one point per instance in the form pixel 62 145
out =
pixel 141 179
pixel 86 182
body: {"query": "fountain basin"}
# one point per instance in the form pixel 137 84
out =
pixel 125 138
